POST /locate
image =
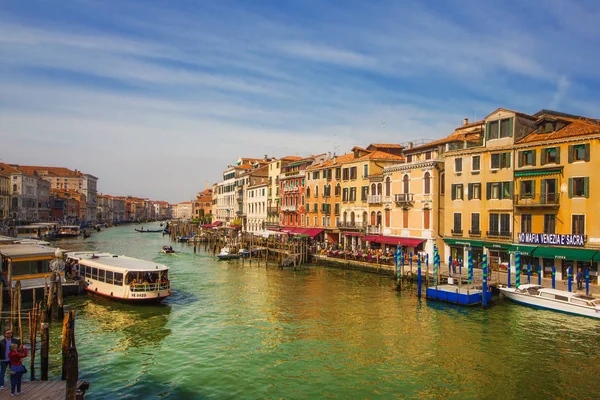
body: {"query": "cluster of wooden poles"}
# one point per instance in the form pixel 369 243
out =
pixel 39 317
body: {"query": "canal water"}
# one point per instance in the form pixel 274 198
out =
pixel 233 331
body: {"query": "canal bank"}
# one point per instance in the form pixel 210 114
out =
pixel 250 331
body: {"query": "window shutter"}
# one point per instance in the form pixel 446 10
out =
pixel 520 158
pixel 487 130
pixel 533 156
pixel 570 154
pixel 470 189
pixel 510 189
pixel 510 127
pixel 533 188
pixel 521 189
pixel 570 188
pixel 543 153
pixel 488 190
pixel 557 154
pixel 543 192
pixel 587 152
pixel 453 192
pixel 586 187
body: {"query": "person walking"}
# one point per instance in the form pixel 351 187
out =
pixel 579 279
pixel 5 344
pixel 17 369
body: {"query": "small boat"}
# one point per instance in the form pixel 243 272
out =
pixel 148 230
pixel 226 255
pixel 86 235
pixel 68 231
pixel 121 277
pixel 183 239
pixel 167 249
pixel 553 299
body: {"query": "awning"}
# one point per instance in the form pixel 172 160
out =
pixel 564 253
pixel 522 249
pixel 395 240
pixel 537 173
pixel 497 246
pixel 463 242
pixel 312 232
pixel 208 226
pixel 353 234
pixel 217 223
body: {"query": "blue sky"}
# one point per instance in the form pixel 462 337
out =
pixel 157 97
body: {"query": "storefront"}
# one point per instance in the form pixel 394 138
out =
pixel 526 256
pixel 458 249
pixel 498 255
pixel 564 258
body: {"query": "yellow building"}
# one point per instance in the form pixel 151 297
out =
pixel 4 195
pixel 556 202
pixel 273 194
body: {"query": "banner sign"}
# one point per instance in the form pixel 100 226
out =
pixel 552 239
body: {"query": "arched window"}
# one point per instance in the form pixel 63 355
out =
pixel 373 188
pixel 365 217
pixel 379 189
pixel 405 188
pixel 388 186
pixel 345 216
pixel 427 183
pixel 302 199
pixel 352 217
pixel 338 190
pixel 373 218
pixel 308 191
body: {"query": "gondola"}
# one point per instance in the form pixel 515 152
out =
pixel 148 230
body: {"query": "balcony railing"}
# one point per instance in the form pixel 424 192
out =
pixel 539 200
pixel 456 232
pixel 352 225
pixel 404 198
pixel 374 229
pixel 475 232
pixel 374 199
pixel 290 189
pixel 503 234
pixel 272 210
pixel 289 208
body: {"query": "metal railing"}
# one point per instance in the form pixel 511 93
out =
pixel 374 229
pixel 374 199
pixel 346 224
pixel 538 200
pixel 404 198
pixel 456 232
pixel 149 287
pixel 499 234
pixel 476 232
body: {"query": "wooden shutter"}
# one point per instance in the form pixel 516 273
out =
pixel 558 155
pixel 533 188
pixel 488 190
pixel 586 187
pixel 543 192
pixel 587 152
pixel 570 154
pixel 533 157
pixel 510 189
pixel 453 191
pixel 520 155
pixel 521 189
pixel 510 127
pixel 542 156
pixel 570 188
pixel 470 188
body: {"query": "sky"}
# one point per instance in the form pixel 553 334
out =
pixel 157 98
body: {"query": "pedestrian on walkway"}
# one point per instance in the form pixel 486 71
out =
pixel 579 279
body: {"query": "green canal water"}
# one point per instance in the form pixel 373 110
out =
pixel 233 331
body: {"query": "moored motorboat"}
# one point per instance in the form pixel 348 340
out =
pixel 168 249
pixel 68 231
pixel 225 254
pixel 553 299
pixel 121 277
pixel 148 230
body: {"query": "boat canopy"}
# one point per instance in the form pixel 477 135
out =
pixel 17 251
pixel 113 262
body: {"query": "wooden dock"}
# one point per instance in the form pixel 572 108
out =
pixel 41 390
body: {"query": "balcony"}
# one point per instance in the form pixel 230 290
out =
pixel 476 232
pixel 374 230
pixel 269 225
pixel 374 199
pixel 351 225
pixel 272 210
pixel 546 200
pixel 404 199
pixel 290 189
pixel 294 173
pixel 456 232
pixel 499 234
pixel 289 208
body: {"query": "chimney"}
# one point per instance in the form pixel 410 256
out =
pixel 328 155
pixel 266 158
pixel 334 159
pixel 410 145
pixel 465 121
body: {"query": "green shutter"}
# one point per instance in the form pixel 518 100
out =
pixel 586 187
pixel 511 189
pixel 542 154
pixel 453 191
pixel 487 130
pixel 520 155
pixel 570 188
pixel 533 157
pixel 570 154
pixel 488 190
pixel 521 189
pixel 543 192
pixel 470 189
pixel 510 127
pixel 557 154
pixel 587 152
pixel 533 184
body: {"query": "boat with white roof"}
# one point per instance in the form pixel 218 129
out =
pixel 121 277
pixel 553 299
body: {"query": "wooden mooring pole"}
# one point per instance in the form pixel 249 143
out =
pixel 45 339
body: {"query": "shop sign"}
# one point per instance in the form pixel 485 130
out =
pixel 551 239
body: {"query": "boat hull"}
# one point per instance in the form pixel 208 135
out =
pixel 150 297
pixel 550 304
pixel 228 256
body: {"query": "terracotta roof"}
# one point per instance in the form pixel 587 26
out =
pixel 381 155
pixel 576 127
pixel 457 135
pixel 511 111
pixel 6 169
pixel 49 171
pixel 291 158
pixel 342 159
pixel 386 145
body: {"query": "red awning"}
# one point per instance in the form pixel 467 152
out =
pixel 353 234
pixel 395 240
pixel 217 223
pixel 410 242
pixel 207 225
pixel 371 239
pixel 312 232
pixel 389 240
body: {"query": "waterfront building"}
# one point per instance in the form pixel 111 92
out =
pixel 118 209
pixel 255 196
pixel 4 197
pixel 413 208
pixel 183 210
pixel 203 206
pixel 67 206
pixel 23 190
pixel 104 209
pixel 556 194
pixel 273 193
pixel 292 182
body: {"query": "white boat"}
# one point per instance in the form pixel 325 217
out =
pixel 226 255
pixel 68 231
pixel 121 277
pixel 553 299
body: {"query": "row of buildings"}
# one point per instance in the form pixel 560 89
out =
pixel 509 182
pixel 48 194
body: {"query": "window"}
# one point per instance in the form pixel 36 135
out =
pixel 506 190
pixel 579 152
pixel 365 170
pixel 458 165
pixel 353 173
pixel 492 130
pixel 352 194
pixel 338 173
pixel 500 129
pixel 500 160
pixel 388 186
pixel 527 190
pixel 495 190
pixel 506 128
pixel 118 279
pixel 316 191
pixel 345 174
pixel 457 227
pixel 405 219
pixel 476 163
pixel 308 192
pixel 426 218
pixel 505 224
pixel 494 225
pixel 475 223
pixel 101 275
pixel 428 155
pixel 364 192
pixel 409 158
pixel 405 187
pixel 338 189
pixel 578 225
pixel 499 190
pixel 345 194
pixel 474 191
pixel 427 183
pixel 337 209
pixel 551 155
pixel 315 207
pixel 579 187
pixel 526 157
pixel 457 191
pixel 549 223
pixel 526 223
